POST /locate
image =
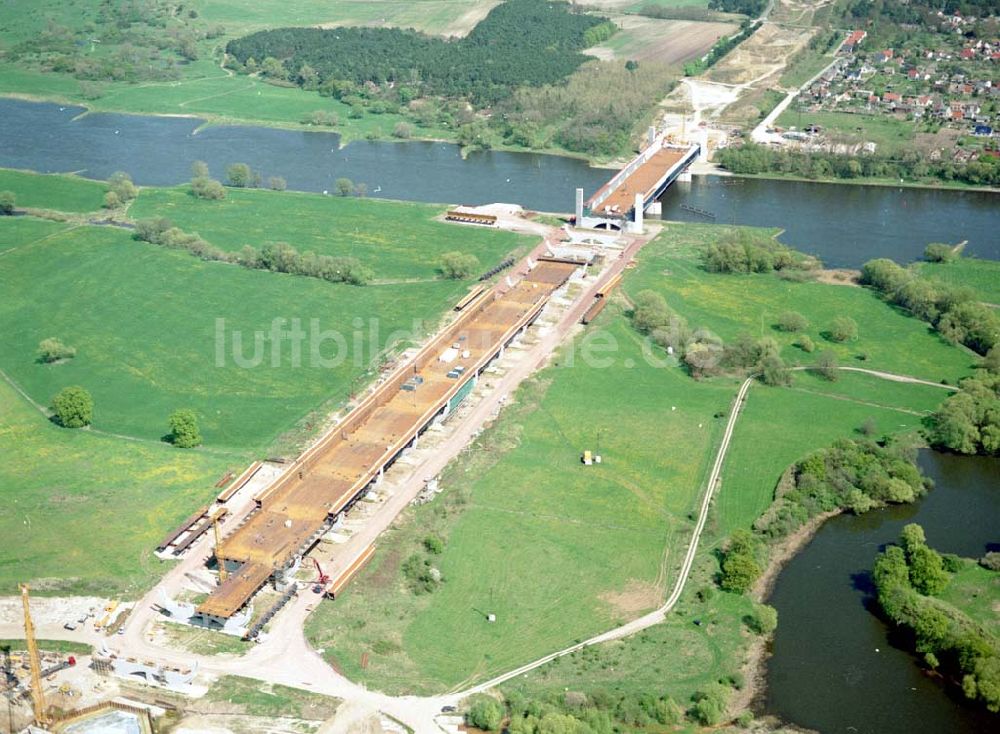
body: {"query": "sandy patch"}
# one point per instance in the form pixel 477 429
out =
pixel 636 597
pixel 838 276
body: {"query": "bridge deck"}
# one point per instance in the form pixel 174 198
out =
pixel 642 181
pixel 295 508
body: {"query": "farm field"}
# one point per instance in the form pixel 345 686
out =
pixel 437 17
pixel 982 276
pixel 556 550
pixel 87 509
pixel 664 41
pixel 397 240
pixel 731 304
pixel 53 191
pixel 144 322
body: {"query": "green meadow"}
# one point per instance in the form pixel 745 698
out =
pixel 53 191
pixel 982 276
pixel 559 551
pixel 397 240
pixel 84 511
pixel 975 591
pixel 733 304
pixel 144 321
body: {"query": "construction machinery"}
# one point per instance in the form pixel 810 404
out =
pixel 322 579
pixel 37 694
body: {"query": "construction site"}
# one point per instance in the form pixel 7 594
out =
pixel 312 495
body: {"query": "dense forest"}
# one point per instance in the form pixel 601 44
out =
pixel 520 42
pixel 911 166
pixel 753 8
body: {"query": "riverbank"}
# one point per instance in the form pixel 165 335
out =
pixel 755 668
pixel 712 169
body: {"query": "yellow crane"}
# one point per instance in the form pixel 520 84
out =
pixel 37 695
pixel 218 550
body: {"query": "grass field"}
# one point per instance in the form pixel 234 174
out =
pixel 57 646
pixel 64 497
pixel 976 591
pixel 887 133
pixel 733 304
pixel 144 322
pixel 982 276
pixel 779 427
pixel 442 17
pixel 62 193
pixel 398 240
pixel 16 232
pixel 272 700
pixel 556 550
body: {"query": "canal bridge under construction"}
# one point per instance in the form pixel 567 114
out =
pixel 294 512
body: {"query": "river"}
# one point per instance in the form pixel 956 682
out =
pixel 844 225
pixel 834 667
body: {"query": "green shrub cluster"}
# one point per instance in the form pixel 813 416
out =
pixel 744 251
pixel 277 258
pixel 954 311
pixel 857 475
pixel 739 567
pixel 969 421
pixel 907 577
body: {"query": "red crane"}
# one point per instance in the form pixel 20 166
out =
pixel 321 577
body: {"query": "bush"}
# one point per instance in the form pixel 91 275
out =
pixel 73 407
pixel 184 433
pixel 52 350
pixel 204 187
pixel 459 265
pixel 402 130
pixel 937 252
pixel 739 566
pixel 991 561
pixel 710 705
pixel 277 183
pixel 122 186
pixel 764 619
pixel 485 713
pixel 239 175
pixel 651 312
pixel 7 203
pixel 843 329
pixel 434 544
pixel 792 321
pixel 805 343
pixel 826 366
pixel 343 186
pixel 111 200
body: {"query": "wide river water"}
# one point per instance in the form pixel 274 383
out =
pixel 825 672
pixel 844 225
pixel 834 667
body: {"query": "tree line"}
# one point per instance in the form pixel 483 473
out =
pixel 752 159
pixel 276 258
pixel 955 312
pixel 908 578
pixel 968 422
pixel 520 42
